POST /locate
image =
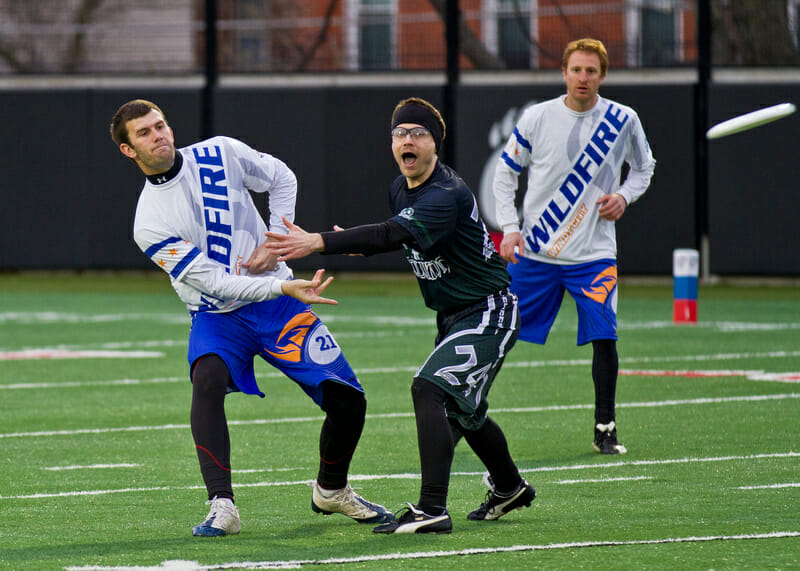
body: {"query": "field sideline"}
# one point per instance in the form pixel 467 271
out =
pixel 98 469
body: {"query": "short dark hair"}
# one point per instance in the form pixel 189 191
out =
pixel 129 111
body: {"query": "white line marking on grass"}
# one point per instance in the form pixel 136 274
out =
pixel 667 358
pixel 721 326
pixel 651 404
pixel 770 486
pixel 393 320
pixel 67 354
pixel 412 476
pixel 260 470
pixel 88 493
pixel 159 343
pixel 90 467
pixel 294 564
pixel 392 415
pixel 627 464
pixel 80 384
pixel 781 377
pixel 58 317
pixel 603 480
pixel 759 375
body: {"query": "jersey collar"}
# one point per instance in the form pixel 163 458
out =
pixel 165 177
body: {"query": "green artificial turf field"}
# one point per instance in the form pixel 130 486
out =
pixel 98 469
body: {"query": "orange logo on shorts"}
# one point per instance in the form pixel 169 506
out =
pixel 290 342
pixel 602 285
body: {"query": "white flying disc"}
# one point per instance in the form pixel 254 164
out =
pixel 750 120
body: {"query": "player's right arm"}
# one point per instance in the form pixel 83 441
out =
pixel 516 156
pixel 367 239
pixel 188 266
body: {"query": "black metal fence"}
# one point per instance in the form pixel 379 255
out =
pixel 278 36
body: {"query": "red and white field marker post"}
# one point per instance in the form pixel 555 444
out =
pixel 685 270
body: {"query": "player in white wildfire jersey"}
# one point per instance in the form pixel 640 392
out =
pixel 574 148
pixel 196 220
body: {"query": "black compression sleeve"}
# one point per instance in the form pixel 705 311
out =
pixel 367 239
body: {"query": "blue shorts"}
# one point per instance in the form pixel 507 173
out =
pixel 540 288
pixel 284 332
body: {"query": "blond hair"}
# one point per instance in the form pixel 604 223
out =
pixel 587 45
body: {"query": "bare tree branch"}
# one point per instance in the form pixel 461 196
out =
pixel 321 37
pixel 77 46
pixel 750 33
pixel 471 46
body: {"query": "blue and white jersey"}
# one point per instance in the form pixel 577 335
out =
pixel 201 225
pixel 572 159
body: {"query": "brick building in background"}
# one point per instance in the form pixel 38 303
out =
pixel 381 35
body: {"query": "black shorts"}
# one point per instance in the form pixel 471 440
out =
pixel 470 348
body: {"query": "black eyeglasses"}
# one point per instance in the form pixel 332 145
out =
pixel 415 132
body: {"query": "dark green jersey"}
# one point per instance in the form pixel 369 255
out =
pixel 452 255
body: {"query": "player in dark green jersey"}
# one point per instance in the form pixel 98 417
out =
pixel 462 278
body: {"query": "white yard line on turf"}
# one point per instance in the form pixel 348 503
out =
pixel 603 480
pixel 90 467
pixel 392 415
pixel 413 476
pixel 36 354
pixel 161 343
pixel 414 368
pixel 176 565
pixel 770 486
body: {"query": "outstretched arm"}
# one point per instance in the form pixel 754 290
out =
pixel 309 291
pixel 296 244
pixel 367 239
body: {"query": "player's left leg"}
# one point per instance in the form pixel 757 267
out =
pixel 299 344
pixel 605 368
pixel 454 381
pixel 593 286
pixel 509 490
pixel 345 408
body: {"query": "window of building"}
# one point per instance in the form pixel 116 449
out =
pixel 658 33
pixel 507 28
pixel 251 41
pixel 370 34
pixel 654 32
pixel 514 33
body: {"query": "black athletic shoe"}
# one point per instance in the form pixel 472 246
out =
pixel 414 520
pixel 605 439
pixel 497 505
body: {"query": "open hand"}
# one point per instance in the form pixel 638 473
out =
pixel 296 244
pixel 309 291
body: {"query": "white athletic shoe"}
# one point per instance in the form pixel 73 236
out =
pixel 345 501
pixel 223 519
